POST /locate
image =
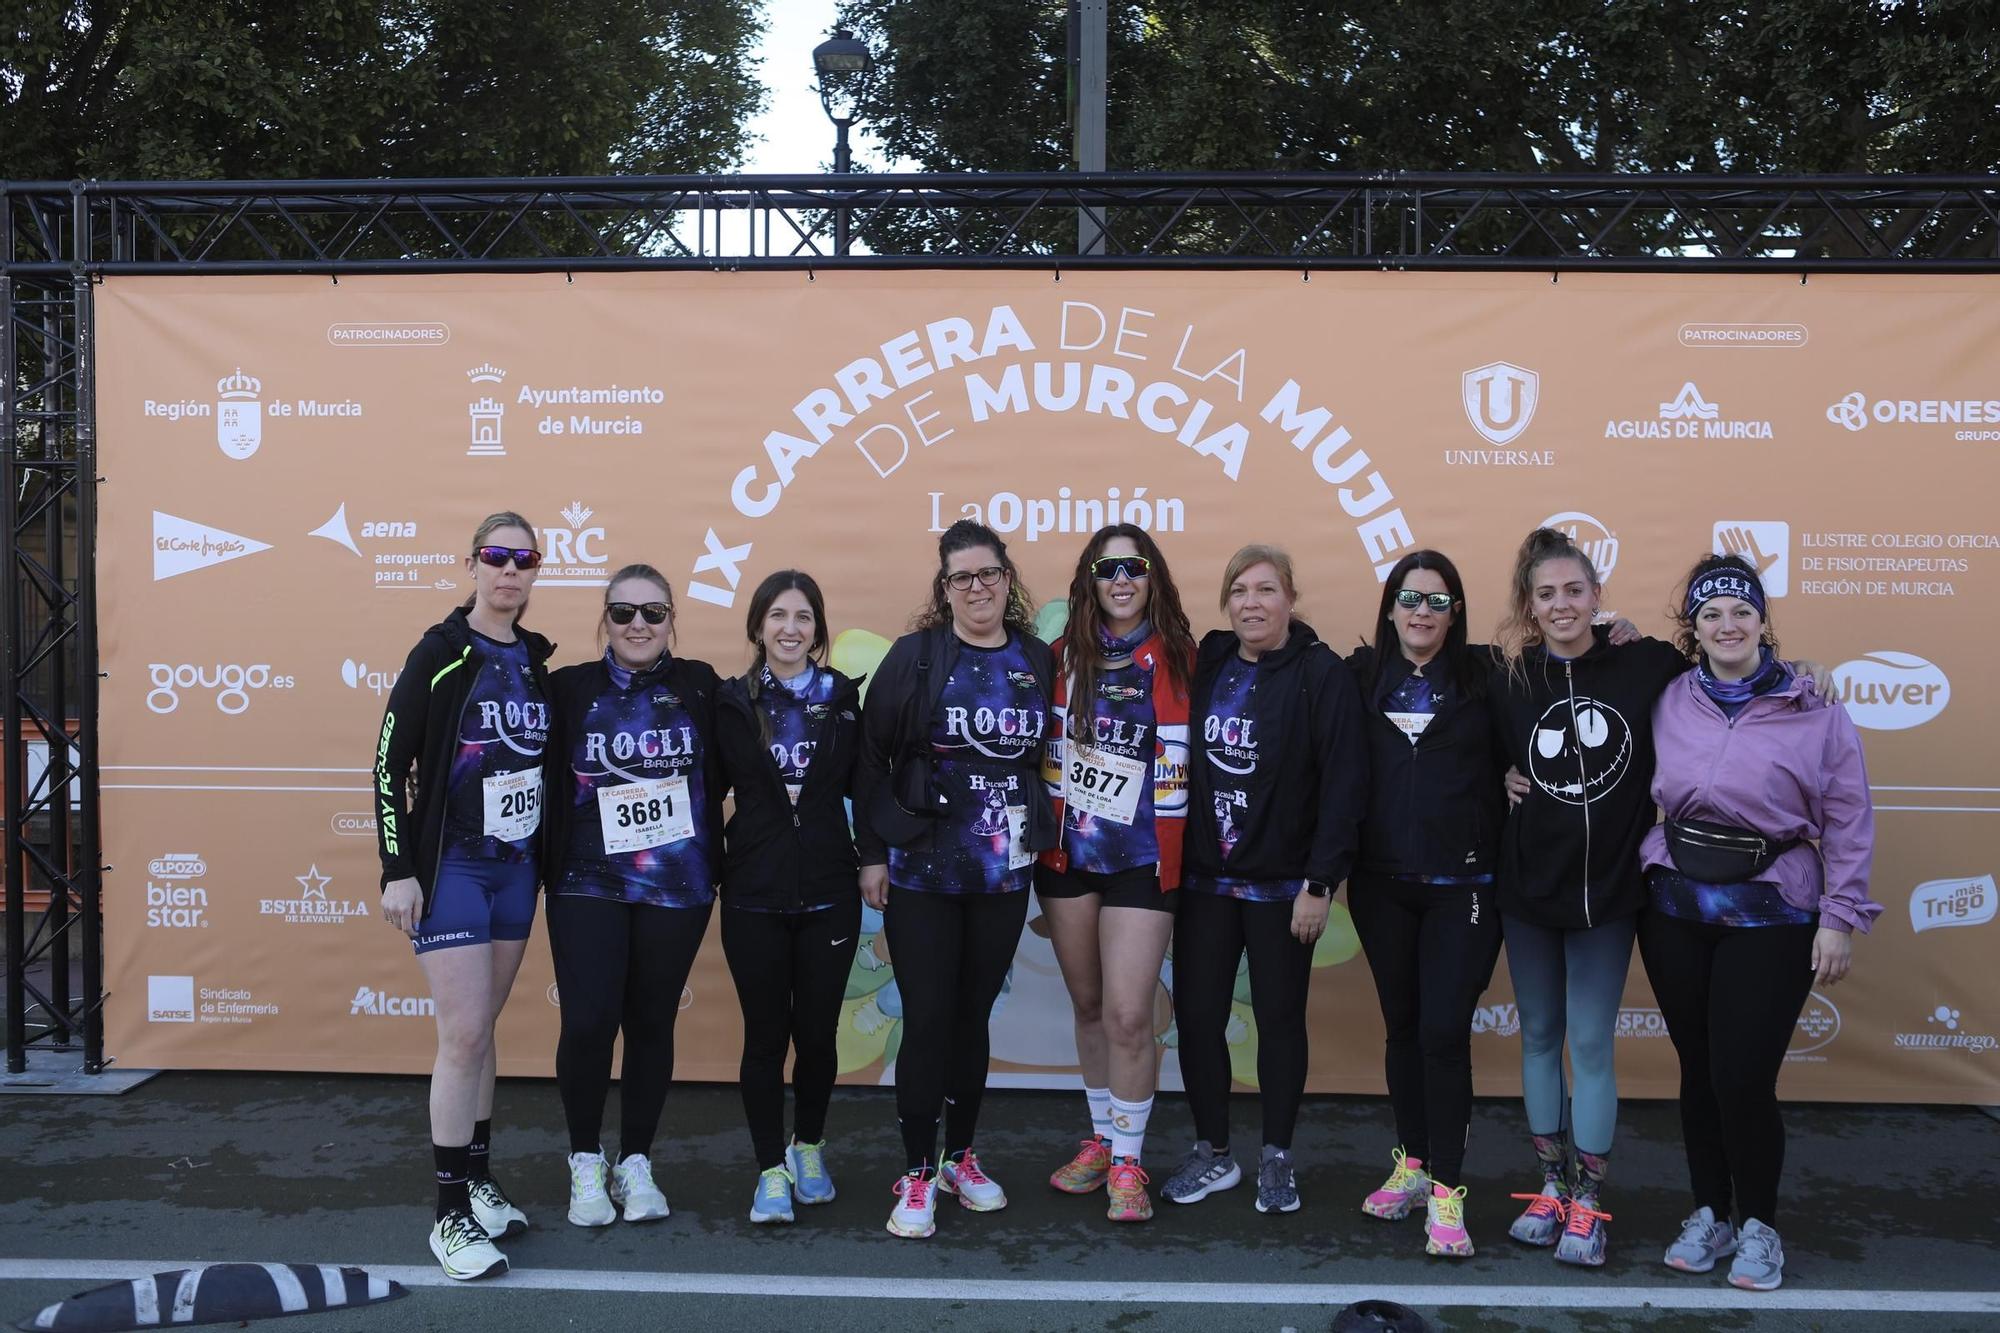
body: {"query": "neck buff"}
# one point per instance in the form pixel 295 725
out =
pixel 1768 676
pixel 1113 648
pixel 623 678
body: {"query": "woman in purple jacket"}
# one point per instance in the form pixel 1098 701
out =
pixel 1754 766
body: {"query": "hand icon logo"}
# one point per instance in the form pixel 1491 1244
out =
pixel 1742 541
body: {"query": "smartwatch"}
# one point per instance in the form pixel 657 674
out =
pixel 1319 890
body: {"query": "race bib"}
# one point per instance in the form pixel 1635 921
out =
pixel 1018 855
pixel 1104 785
pixel 639 815
pixel 1410 724
pixel 513 804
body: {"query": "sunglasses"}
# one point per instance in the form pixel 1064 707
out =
pixel 1439 602
pixel 621 613
pixel 1107 568
pixel 987 577
pixel 498 556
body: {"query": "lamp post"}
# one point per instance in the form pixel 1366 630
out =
pixel 843 64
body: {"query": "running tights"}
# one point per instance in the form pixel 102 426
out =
pixel 1569 983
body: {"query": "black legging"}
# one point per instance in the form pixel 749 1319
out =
pixel 1731 996
pixel 1211 935
pixel 790 970
pixel 1432 949
pixel 951 952
pixel 619 965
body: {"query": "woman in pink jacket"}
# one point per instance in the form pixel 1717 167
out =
pixel 1747 914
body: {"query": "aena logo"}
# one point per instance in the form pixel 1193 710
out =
pixel 1888 691
pixel 1951 902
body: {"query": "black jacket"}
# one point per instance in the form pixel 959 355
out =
pixel 895 801
pixel 1436 807
pixel 572 691
pixel 1582 732
pixel 1311 783
pixel 420 728
pixel 784 857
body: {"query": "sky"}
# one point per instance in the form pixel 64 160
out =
pixel 793 135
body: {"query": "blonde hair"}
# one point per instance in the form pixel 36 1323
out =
pixel 1518 631
pixel 1257 553
pixel 492 523
pixel 647 574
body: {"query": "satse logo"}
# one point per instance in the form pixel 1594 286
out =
pixel 1938 903
pixel 170 999
pixel 1889 691
pixel 1500 399
pixel 232 684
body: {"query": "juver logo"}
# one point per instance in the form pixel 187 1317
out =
pixel 1938 903
pixel 1500 399
pixel 239 416
pixel 1887 691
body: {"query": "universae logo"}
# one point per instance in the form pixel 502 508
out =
pixel 1500 399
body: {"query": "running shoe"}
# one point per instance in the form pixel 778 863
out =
pixel 1542 1221
pixel 773 1200
pixel 494 1210
pixel 1703 1240
pixel 915 1213
pixel 1444 1222
pixel 633 1190
pixel 1760 1259
pixel 1277 1186
pixel 1201 1173
pixel 1407 1185
pixel 1087 1170
pixel 810 1182
pixel 464 1249
pixel 1585 1237
pixel 1125 1187
pixel 975 1189
pixel 589 1199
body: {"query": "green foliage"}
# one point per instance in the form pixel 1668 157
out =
pixel 232 89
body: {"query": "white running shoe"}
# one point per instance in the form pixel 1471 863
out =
pixel 494 1210
pixel 589 1200
pixel 975 1189
pixel 464 1249
pixel 915 1213
pixel 633 1190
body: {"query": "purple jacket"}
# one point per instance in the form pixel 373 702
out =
pixel 1788 766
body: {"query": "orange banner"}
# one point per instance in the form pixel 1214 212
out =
pixel 281 454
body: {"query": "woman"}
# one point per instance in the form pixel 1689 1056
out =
pixel 460 859
pixel 1575 717
pixel 1110 888
pixel 634 851
pixel 1746 913
pixel 950 819
pixel 1279 781
pixel 1422 892
pixel 789 730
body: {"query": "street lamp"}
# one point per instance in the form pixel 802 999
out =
pixel 843 64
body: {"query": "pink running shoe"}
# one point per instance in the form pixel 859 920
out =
pixel 1126 1187
pixel 1406 1186
pixel 975 1189
pixel 1444 1223
pixel 1086 1171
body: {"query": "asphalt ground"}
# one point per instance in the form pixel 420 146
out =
pixel 1888 1210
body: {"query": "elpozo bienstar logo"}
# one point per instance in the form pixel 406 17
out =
pixel 181 545
pixel 1891 691
pixel 1939 903
pixel 1855 411
pixel 313 907
pixel 1500 399
pixel 1689 416
pixel 172 903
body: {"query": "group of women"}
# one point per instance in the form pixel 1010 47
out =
pixel 1157 792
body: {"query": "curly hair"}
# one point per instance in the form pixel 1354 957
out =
pixel 965 535
pixel 1685 638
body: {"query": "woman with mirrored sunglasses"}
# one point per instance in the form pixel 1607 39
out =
pixel 949 819
pixel 634 854
pixel 1116 767
pixel 468 719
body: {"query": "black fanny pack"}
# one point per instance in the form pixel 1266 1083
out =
pixel 1720 854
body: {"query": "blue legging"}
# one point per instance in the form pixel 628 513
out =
pixel 1568 983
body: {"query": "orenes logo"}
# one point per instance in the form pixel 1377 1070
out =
pixel 1851 411
pixel 239 416
pixel 170 999
pixel 181 544
pixel 1938 903
pixel 1888 691
pixel 1500 399
pixel 1818 1025
pixel 381 1004
pixel 1591 537
pixel 1688 403
pixel 1765 543
pixel 232 684
pixel 487 413
pixel 1582 748
pixel 359 676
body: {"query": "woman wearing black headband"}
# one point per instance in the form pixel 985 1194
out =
pixel 1755 767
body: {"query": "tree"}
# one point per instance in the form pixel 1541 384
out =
pixel 237 89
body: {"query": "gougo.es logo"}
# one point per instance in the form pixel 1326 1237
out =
pixel 231 683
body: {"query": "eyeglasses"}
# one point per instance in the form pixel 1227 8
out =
pixel 621 613
pixel 1439 602
pixel 498 556
pixel 1107 568
pixel 987 577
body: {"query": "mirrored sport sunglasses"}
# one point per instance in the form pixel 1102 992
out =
pixel 621 613
pixel 1440 602
pixel 962 580
pixel 498 556
pixel 1107 568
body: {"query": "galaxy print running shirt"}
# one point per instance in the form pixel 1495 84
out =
pixel 639 830
pixel 986 737
pixel 493 802
pixel 793 710
pixel 1229 744
pixel 1754 903
pixel 1108 750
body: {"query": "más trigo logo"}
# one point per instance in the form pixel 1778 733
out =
pixel 573 556
pixel 1688 416
pixel 360 676
pixel 312 906
pixel 1856 410
pixel 1765 543
pixel 1886 691
pixel 239 416
pixel 181 544
pixel 381 1004
pixel 397 556
pixel 1593 538
pixel 1945 1030
pixel 1500 399
pixel 230 682
pixel 1938 903
pixel 1818 1025
pixel 171 901
pixel 170 999
pixel 1502 1020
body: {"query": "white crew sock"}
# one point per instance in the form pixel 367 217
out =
pixel 1100 1111
pixel 1128 1122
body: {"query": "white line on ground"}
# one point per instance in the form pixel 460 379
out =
pixel 1432 1294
